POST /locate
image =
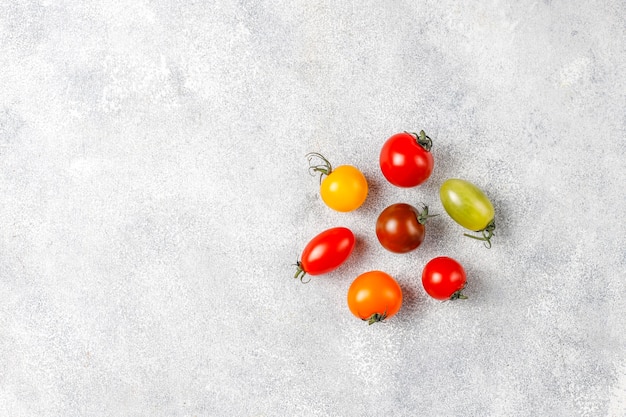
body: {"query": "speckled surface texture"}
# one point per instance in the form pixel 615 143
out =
pixel 154 196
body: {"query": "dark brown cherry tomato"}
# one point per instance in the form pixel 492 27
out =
pixel 400 227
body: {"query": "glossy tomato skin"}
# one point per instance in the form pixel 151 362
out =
pixel 398 228
pixel 374 296
pixel 404 162
pixel 466 204
pixel 344 189
pixel 444 278
pixel 327 251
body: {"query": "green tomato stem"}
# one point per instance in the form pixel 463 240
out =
pixel 423 216
pixel 324 168
pixel 375 318
pixel 487 234
pixel 423 140
pixel 301 273
pixel 458 295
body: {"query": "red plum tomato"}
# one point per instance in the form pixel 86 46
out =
pixel 325 252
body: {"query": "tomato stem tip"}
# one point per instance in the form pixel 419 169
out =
pixel 487 234
pixel 301 273
pixel 375 318
pixel 458 295
pixel 423 140
pixel 423 216
pixel 324 168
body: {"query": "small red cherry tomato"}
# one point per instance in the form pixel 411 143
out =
pixel 400 227
pixel 444 278
pixel 405 159
pixel 325 252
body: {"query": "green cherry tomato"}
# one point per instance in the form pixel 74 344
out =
pixel 469 207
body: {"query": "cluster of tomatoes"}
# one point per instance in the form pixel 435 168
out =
pixel 405 161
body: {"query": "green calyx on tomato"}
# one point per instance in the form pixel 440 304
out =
pixel 458 295
pixel 375 318
pixel 423 216
pixel 487 234
pixel 300 273
pixel 422 139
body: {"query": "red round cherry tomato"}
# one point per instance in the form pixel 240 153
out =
pixel 405 159
pixel 400 227
pixel 374 296
pixel 444 278
pixel 325 252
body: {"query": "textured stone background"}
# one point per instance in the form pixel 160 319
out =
pixel 154 194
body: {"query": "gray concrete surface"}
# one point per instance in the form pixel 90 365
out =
pixel 154 194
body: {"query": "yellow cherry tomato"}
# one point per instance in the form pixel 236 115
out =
pixel 344 188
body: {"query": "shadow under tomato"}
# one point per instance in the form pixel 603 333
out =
pixel 413 300
pixel 446 163
pixel 374 194
pixel 439 231
pixel 475 287
pixel 502 213
pixel 361 247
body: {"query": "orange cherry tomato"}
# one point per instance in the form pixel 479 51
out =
pixel 374 296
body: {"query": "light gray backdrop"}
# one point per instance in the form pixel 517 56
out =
pixel 154 196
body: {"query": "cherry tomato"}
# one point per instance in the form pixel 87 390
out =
pixel 374 296
pixel 325 252
pixel 469 207
pixel 344 188
pixel 443 278
pixel 405 159
pixel 400 227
